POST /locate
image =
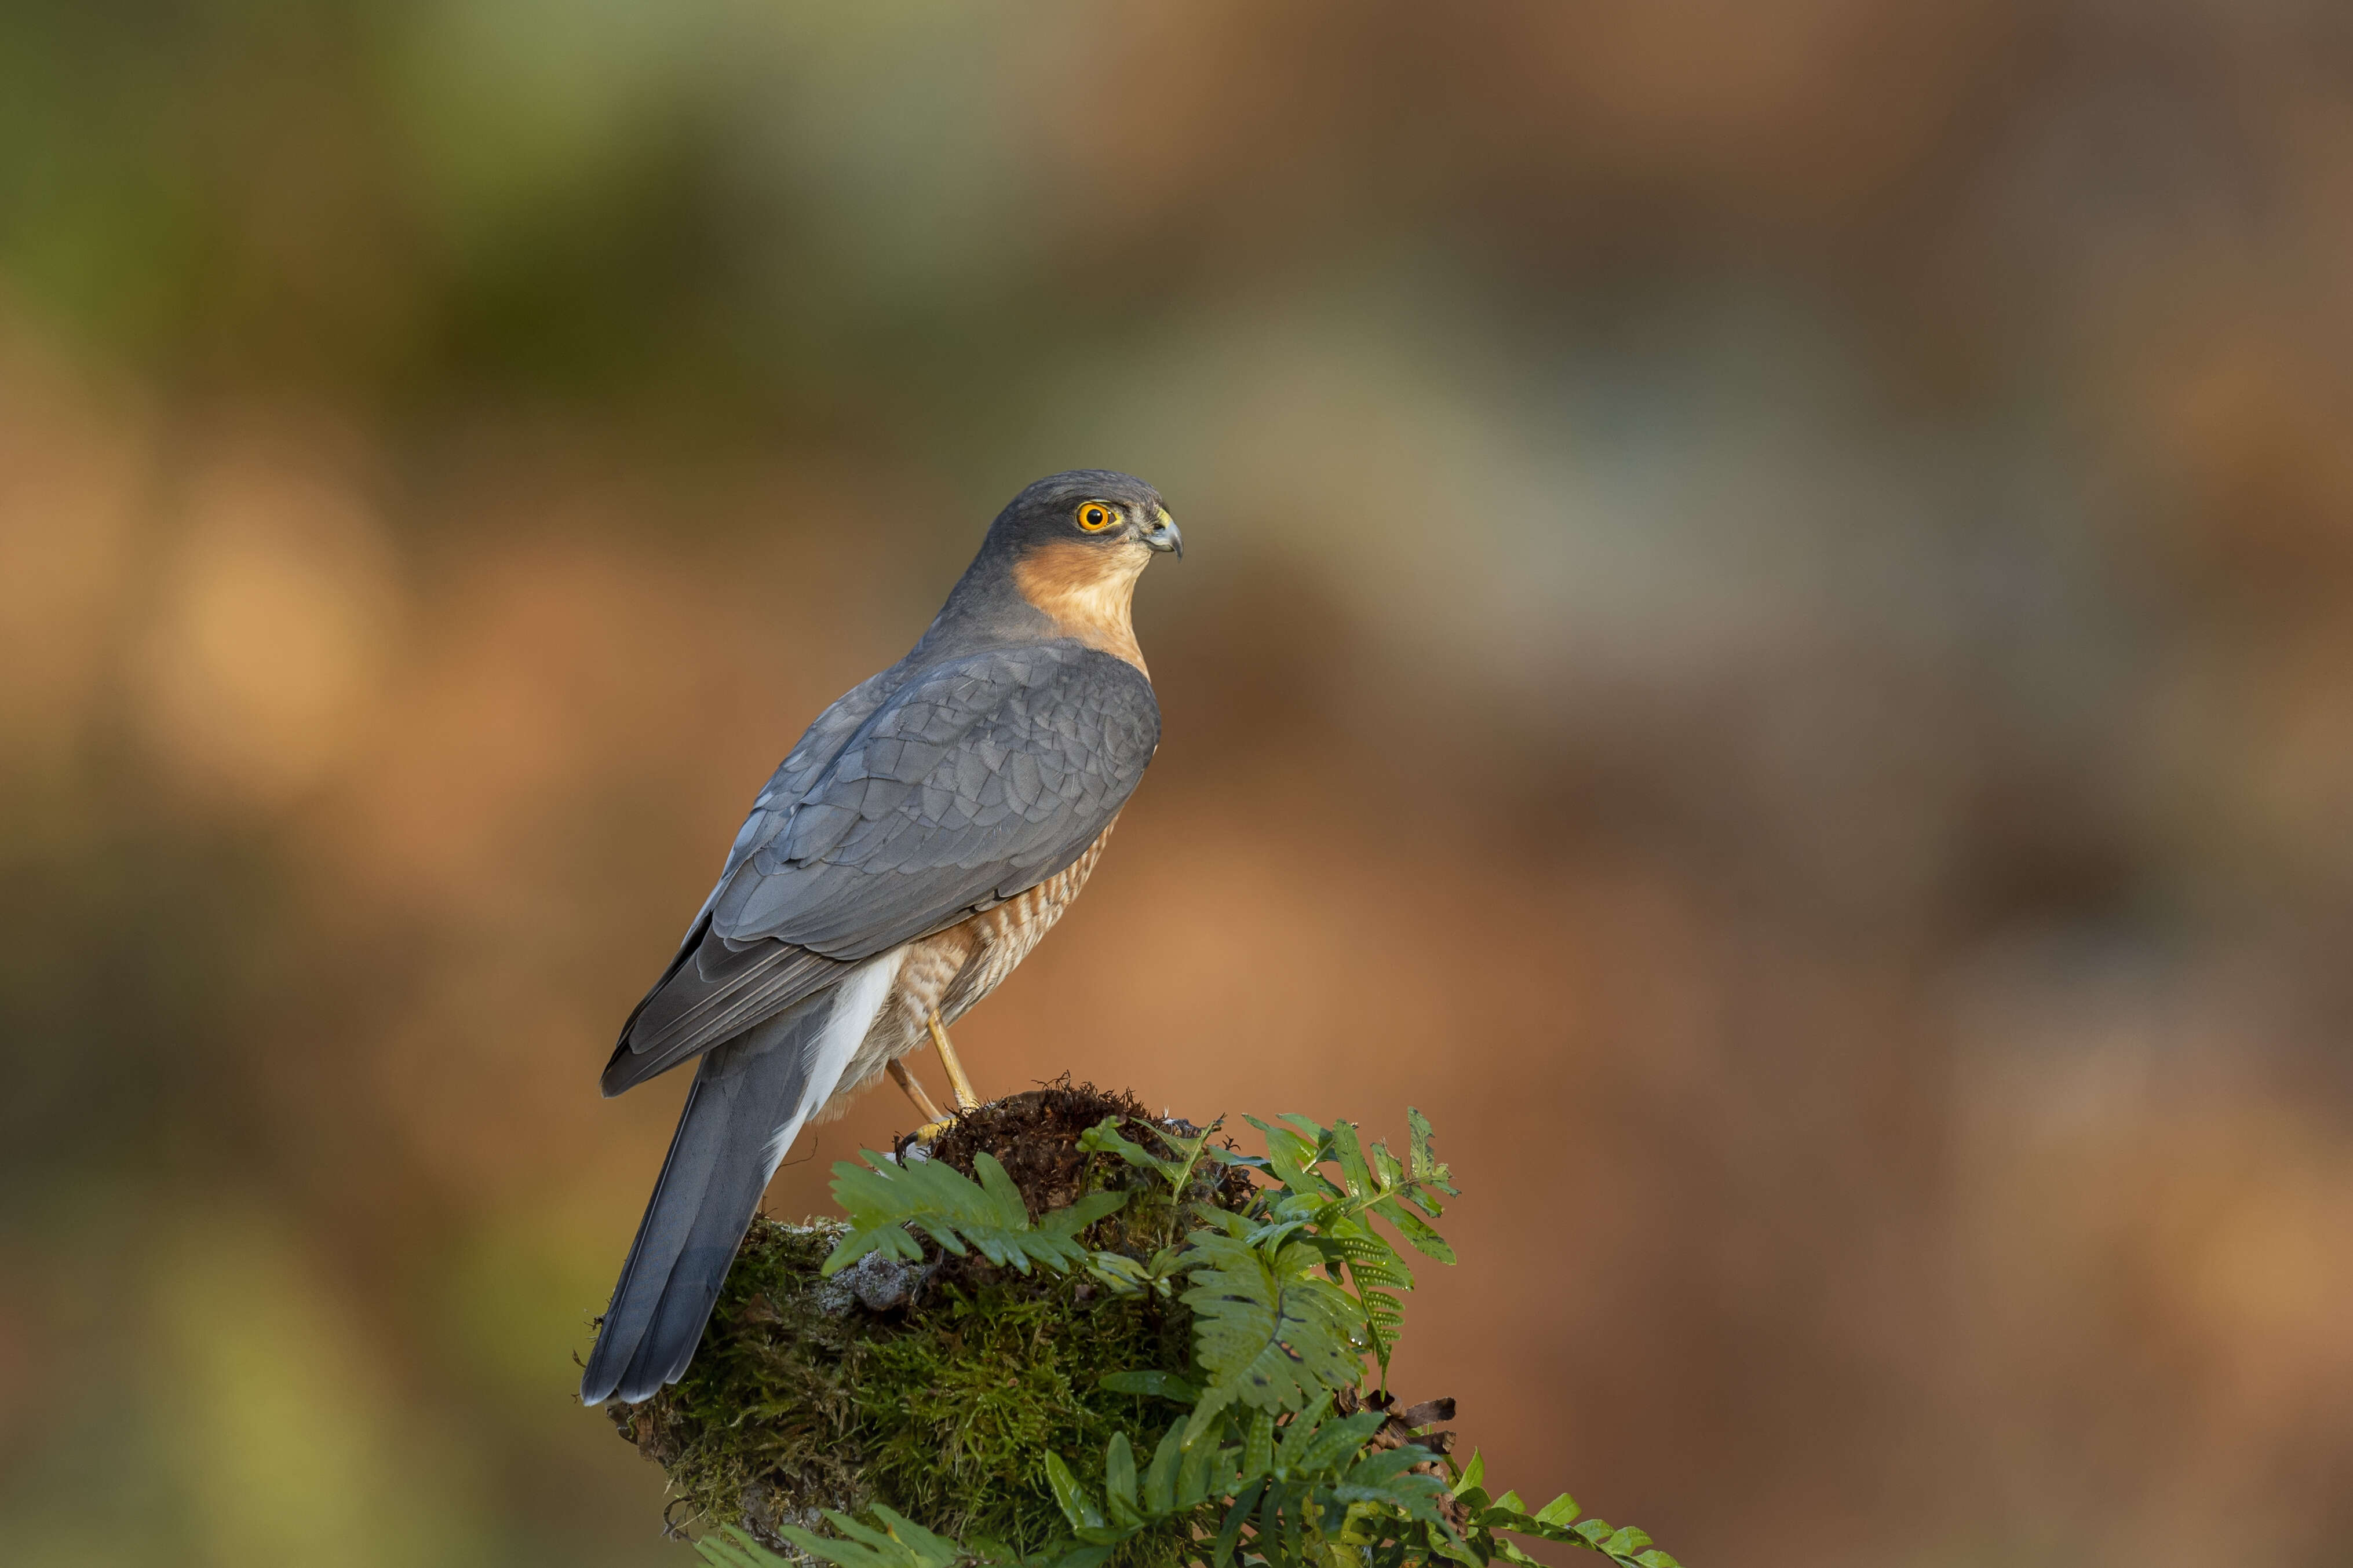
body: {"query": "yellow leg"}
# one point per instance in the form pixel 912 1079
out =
pixel 959 1086
pixel 906 1081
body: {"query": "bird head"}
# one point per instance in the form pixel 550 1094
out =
pixel 1072 545
pixel 1117 518
pixel 1062 560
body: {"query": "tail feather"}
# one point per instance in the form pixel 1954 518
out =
pixel 749 1100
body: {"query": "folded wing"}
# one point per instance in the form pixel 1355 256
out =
pixel 967 783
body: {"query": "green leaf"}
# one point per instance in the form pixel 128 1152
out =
pixel 1125 1275
pixel 927 1546
pixel 1292 1159
pixel 1222 1553
pixel 901 1542
pixel 1384 1316
pixel 1105 1137
pixel 1003 1196
pixel 1070 1497
pixel 1657 1559
pixel 734 1549
pixel 1299 1433
pixel 1269 1333
pixel 1425 1165
pixel 1071 1219
pixel 1119 1474
pixel 1474 1474
pixel 1375 1468
pixel 1415 1229
pixel 1371 1259
pixel 1561 1510
pixel 1202 1460
pixel 1258 1446
pixel 1337 1441
pixel 1355 1174
pixel 1160 1475
pixel 1455 1552
pixel 883 1197
pixel 1380 1478
pixel 1154 1384
pixel 1626 1541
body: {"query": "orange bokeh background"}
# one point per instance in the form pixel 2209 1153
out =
pixel 1768 634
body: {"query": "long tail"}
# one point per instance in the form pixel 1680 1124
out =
pixel 749 1100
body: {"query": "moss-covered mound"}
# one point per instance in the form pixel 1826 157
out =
pixel 932 1388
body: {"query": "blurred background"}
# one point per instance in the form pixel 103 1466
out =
pixel 1768 635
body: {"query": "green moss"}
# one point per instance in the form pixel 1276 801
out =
pixel 963 1407
pixel 942 1391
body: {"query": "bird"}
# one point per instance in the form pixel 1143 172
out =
pixel 909 852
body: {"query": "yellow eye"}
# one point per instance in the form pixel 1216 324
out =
pixel 1095 517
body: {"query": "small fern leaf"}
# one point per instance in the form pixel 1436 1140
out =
pixel 1415 1229
pixel 1628 1541
pixel 1426 1166
pixel 1119 1481
pixel 1386 1477
pixel 1337 1441
pixel 1160 1475
pixel 1070 1497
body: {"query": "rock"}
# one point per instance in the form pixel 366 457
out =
pixel 878 1282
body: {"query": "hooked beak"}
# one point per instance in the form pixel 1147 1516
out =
pixel 1164 536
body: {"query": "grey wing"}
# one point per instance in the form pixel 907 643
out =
pixel 803 767
pixel 977 780
pixel 713 990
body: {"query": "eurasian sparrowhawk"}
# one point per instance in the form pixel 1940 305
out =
pixel 926 831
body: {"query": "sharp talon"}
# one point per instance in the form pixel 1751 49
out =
pixel 959 1086
pixel 930 1130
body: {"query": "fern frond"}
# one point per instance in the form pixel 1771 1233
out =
pixel 1268 1332
pixel 1371 1260
pixel 900 1542
pixel 883 1197
pixel 1292 1157
pixel 1106 1138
